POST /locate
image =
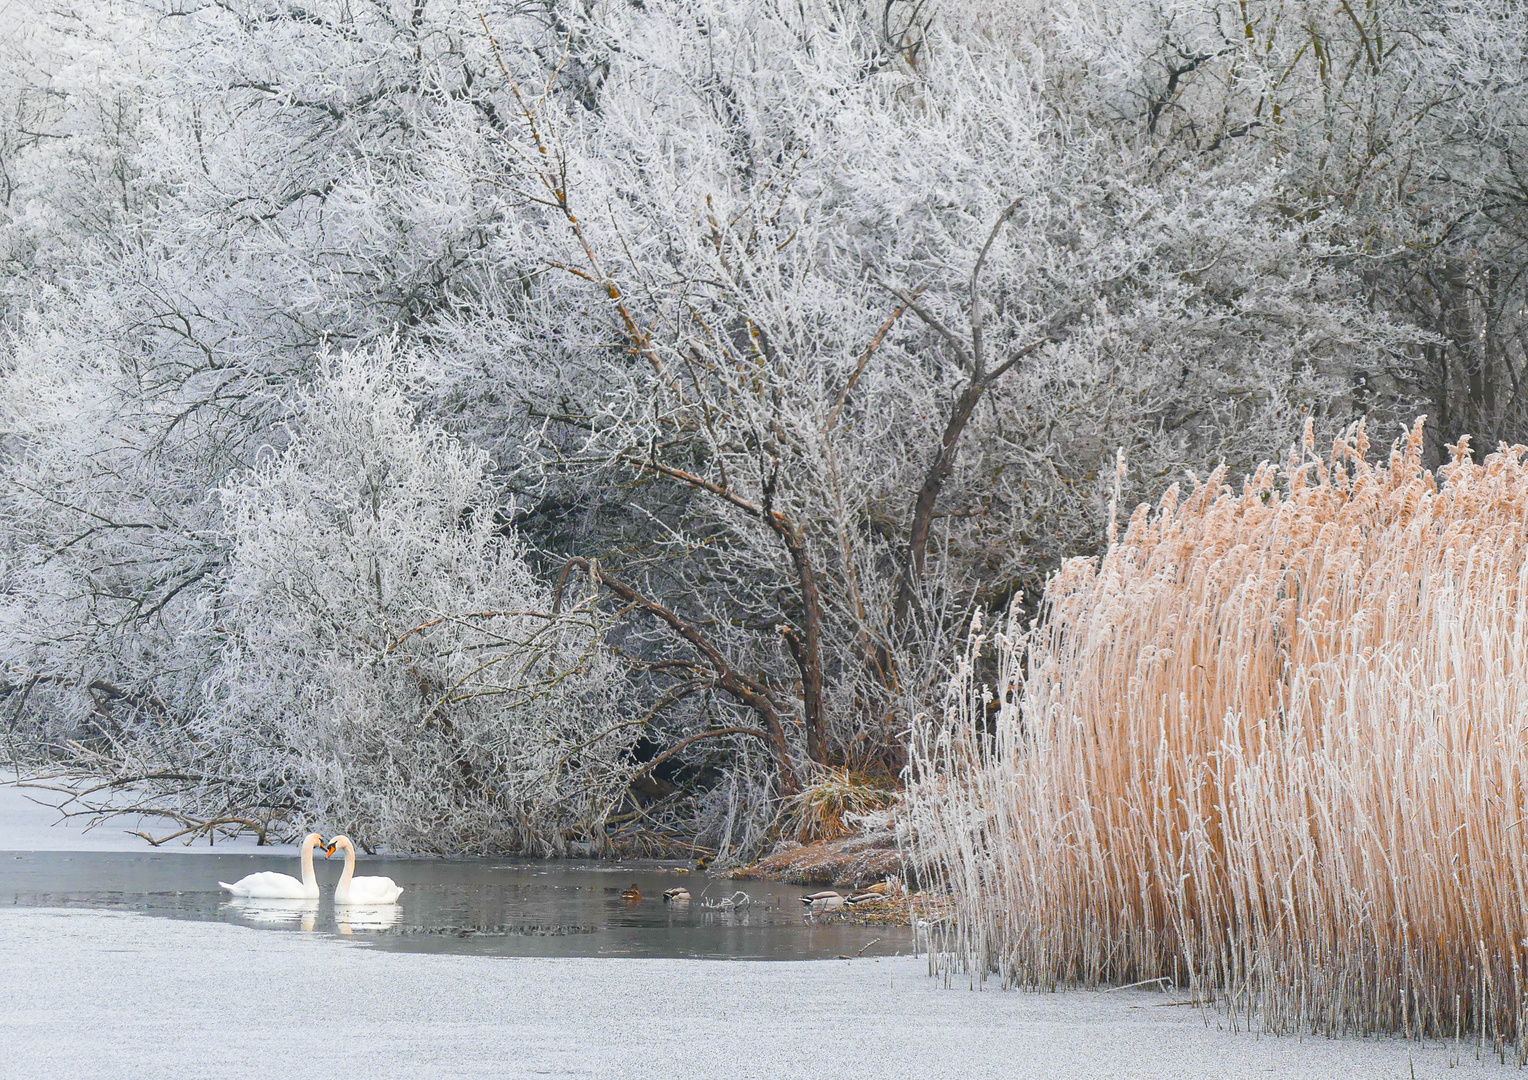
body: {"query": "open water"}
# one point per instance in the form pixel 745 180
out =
pixel 475 906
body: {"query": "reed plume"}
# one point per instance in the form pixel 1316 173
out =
pixel 1271 747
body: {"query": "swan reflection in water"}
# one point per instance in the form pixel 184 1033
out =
pixel 276 911
pixel 349 918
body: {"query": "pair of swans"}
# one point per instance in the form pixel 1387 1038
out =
pixel 267 885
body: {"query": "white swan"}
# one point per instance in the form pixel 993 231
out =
pixel 360 890
pixel 267 885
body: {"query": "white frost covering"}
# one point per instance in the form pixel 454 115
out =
pixel 316 1007
pixel 389 663
pixel 375 658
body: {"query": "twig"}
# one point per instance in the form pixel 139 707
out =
pixel 1144 982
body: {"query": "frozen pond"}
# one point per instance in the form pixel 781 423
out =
pixel 473 906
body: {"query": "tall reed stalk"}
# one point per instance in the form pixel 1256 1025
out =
pixel 1271 747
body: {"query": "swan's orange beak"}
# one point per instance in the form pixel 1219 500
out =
pixel 328 850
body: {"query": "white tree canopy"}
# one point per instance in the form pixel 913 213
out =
pixel 797 330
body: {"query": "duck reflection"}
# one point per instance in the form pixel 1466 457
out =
pixel 276 912
pixel 352 917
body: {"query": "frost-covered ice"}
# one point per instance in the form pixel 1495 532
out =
pixel 87 994
pixel 30 821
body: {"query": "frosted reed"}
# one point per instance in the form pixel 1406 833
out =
pixel 1270 747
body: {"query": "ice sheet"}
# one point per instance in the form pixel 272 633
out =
pixel 93 994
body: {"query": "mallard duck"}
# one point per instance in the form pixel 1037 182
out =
pixel 676 896
pixel 632 895
pixel 827 900
pixel 879 891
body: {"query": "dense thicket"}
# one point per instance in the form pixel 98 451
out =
pixel 782 334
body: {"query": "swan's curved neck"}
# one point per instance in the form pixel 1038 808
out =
pixel 309 878
pixel 344 882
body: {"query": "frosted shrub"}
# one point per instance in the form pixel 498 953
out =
pixel 1271 747
pixel 390 661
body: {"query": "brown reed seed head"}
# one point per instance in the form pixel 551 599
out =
pixel 1273 746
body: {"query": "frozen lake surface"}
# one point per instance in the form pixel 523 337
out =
pixel 92 994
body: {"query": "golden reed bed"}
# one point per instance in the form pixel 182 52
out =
pixel 1272 747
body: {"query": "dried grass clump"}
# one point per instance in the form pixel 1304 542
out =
pixel 1273 747
pixel 833 804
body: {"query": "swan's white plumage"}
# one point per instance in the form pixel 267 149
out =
pixel 370 890
pixel 268 885
pixel 361 890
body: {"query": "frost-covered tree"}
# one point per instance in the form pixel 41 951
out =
pixel 372 653
pixel 884 296
pixel 799 328
pixel 394 654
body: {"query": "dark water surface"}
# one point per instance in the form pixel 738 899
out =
pixel 478 906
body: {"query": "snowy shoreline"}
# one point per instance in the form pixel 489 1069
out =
pixel 150 997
